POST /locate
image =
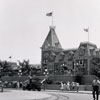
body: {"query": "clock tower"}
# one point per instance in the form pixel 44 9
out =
pixel 49 50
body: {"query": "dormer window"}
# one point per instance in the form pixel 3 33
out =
pixel 92 51
pixel 81 51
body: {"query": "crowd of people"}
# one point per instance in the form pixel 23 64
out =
pixel 69 86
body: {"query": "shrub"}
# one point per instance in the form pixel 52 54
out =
pixel 57 82
pixel 79 78
pixel 48 81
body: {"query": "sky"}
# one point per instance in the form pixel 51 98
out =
pixel 24 26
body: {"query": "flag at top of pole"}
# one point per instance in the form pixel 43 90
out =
pixel 86 29
pixel 50 14
pixel 10 57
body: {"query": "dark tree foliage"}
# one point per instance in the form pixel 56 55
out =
pixel 5 68
pixel 25 67
pixel 78 78
pixel 96 66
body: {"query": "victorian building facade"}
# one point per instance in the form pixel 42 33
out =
pixel 57 61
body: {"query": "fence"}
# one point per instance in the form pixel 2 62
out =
pixel 86 80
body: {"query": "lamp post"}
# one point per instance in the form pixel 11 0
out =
pixel 46 75
pixel 19 75
pixel 45 71
pixel 76 67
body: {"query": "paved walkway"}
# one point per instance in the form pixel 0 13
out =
pixel 33 95
pixel 22 95
pixel 80 92
pixel 70 95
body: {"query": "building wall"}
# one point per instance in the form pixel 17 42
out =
pixel 57 61
pixel 73 61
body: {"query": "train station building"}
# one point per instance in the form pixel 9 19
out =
pixel 57 61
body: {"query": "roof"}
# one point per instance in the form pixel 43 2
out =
pixel 71 49
pixel 90 44
pixel 51 39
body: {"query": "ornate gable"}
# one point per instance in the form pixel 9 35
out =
pixel 85 49
pixel 51 40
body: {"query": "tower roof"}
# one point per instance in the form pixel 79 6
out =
pixel 51 40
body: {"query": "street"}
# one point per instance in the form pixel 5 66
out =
pixel 22 95
pixel 44 95
pixel 70 95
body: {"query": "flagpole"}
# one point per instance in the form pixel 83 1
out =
pixel 50 15
pixel 88 59
pixel 88 34
pixel 52 19
pixel 10 58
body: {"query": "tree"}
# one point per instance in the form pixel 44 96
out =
pixel 96 66
pixel 5 68
pixel 79 78
pixel 25 67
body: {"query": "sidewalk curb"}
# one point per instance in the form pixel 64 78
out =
pixel 80 92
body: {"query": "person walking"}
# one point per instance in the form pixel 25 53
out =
pixel 68 86
pixel 62 86
pixel 73 86
pixel 77 86
pixel 95 88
